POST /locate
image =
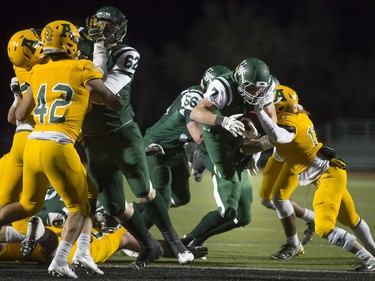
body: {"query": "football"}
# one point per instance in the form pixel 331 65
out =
pixel 252 125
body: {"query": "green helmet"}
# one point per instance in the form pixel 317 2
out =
pixel 115 27
pixel 211 73
pixel 252 72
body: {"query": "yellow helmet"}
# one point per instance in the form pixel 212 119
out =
pixel 61 36
pixel 285 99
pixel 25 49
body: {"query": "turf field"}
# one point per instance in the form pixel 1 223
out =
pixel 241 254
pixel 251 246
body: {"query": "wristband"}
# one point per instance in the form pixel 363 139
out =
pixel 219 120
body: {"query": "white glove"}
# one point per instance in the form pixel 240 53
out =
pixel 154 149
pixel 234 126
pixel 15 88
pixel 100 57
pixel 252 164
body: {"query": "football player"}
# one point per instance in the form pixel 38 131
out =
pixel 296 141
pixel 58 103
pixel 227 98
pixel 165 141
pixel 114 145
pixel 24 51
pixel 213 223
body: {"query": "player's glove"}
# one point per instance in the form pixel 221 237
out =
pixel 15 88
pixel 252 164
pixel 154 149
pixel 95 29
pixel 234 126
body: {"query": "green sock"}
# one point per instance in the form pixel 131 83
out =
pixel 208 222
pixel 158 213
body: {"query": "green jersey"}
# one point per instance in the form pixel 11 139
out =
pixel 54 211
pixel 122 64
pixel 222 92
pixel 171 131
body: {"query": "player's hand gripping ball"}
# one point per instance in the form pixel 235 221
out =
pixel 253 128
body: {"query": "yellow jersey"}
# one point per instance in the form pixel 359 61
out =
pixel 302 150
pixel 61 98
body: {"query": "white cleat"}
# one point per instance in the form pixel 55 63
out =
pixel 368 265
pixel 185 257
pixel 61 271
pixel 87 263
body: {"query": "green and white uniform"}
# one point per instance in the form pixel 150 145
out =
pixel 114 147
pixel 169 173
pixel 221 145
pixel 113 141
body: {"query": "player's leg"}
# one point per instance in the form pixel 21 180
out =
pixel 327 200
pixel 67 175
pixel 133 164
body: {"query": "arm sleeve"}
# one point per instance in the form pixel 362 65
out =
pixel 122 73
pixel 274 132
pixel 216 94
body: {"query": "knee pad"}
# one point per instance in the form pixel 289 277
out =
pixel 341 238
pixel 283 207
pixel 267 203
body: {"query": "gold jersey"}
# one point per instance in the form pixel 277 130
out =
pixel 61 98
pixel 22 76
pixel 302 150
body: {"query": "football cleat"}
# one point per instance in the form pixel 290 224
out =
pixel 61 271
pixel 27 246
pixel 308 233
pixel 187 240
pixel 35 230
pixel 87 263
pixel 185 257
pixel 368 265
pixel 198 251
pixel 148 254
pixel 288 252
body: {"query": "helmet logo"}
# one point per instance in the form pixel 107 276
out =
pixel 66 29
pixel 279 96
pixel 48 34
pixel 241 69
pixel 30 44
pixel 209 76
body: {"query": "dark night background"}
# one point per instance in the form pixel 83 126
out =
pixel 324 49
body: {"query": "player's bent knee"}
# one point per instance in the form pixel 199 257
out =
pixel 149 197
pixel 283 207
pixel 267 203
pixel 323 230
